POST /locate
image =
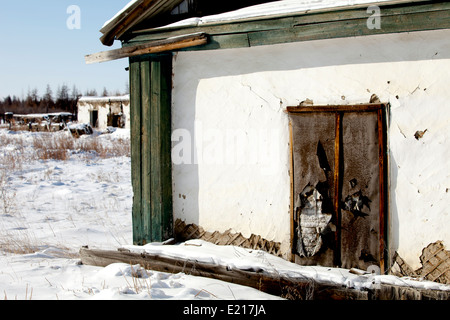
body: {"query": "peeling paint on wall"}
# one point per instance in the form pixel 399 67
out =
pixel 312 222
pixel 419 134
pixel 355 203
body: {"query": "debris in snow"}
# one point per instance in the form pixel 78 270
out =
pixel 405 269
pixel 80 129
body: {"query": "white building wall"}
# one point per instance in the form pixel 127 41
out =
pixel 83 113
pixel 246 91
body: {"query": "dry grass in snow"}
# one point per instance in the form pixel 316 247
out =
pixel 58 194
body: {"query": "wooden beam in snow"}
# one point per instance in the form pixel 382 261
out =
pixel 175 43
pixel 293 288
pixel 272 283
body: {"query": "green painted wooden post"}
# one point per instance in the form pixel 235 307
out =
pixel 135 121
pixel 150 90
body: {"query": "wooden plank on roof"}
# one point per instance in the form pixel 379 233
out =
pixel 213 28
pixel 352 28
pixel 127 19
pixel 158 46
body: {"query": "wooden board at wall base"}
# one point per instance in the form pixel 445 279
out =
pixel 292 288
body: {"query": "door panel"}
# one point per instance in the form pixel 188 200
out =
pixel 336 188
pixel 360 191
pixel 313 156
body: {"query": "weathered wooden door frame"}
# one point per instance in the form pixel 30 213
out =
pixel 381 110
pixel 150 99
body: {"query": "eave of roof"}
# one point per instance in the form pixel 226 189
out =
pixel 134 12
pixel 239 30
pixel 277 9
pixel 138 11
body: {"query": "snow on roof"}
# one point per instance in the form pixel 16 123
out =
pixel 281 7
pixel 42 115
pixel 105 99
pixel 134 12
pixel 128 6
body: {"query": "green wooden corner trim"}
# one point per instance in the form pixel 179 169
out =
pixel 430 15
pixel 146 138
pixel 150 89
pixel 166 145
pixel 135 120
pixel 155 159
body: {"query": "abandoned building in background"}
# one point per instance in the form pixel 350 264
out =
pixel 103 112
pixel 38 122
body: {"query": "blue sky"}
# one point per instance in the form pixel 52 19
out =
pixel 37 48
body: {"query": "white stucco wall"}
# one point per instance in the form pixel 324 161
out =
pixel 246 91
pixel 84 110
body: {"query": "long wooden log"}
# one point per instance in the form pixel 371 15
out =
pixel 159 46
pixel 272 283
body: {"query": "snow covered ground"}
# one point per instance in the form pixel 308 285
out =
pixel 49 209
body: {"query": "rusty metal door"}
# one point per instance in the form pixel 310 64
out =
pixel 338 185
